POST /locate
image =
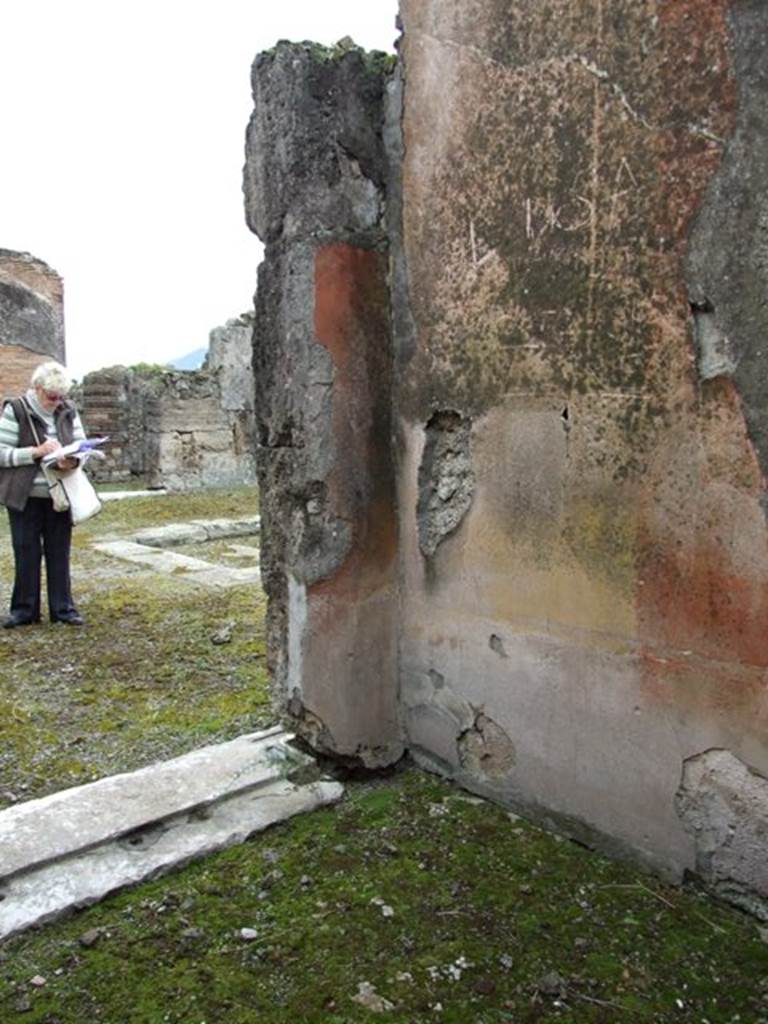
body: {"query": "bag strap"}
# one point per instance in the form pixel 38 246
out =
pixel 32 427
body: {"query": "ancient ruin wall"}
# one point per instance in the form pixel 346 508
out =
pixel 191 441
pixel 229 360
pixel 113 404
pixel 314 189
pixel 581 395
pixel 178 429
pixel 576 223
pixel 31 318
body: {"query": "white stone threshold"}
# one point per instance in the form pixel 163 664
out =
pixel 181 567
pixel 197 531
pixel 148 548
pixel 72 848
pixel 122 495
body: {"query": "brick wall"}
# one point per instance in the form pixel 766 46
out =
pixel 16 366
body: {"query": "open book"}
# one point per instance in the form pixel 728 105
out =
pixel 82 450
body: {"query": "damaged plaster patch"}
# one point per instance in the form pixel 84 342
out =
pixel 437 679
pixel 446 479
pixel 723 805
pixel 713 350
pixel 497 645
pixel 435 717
pixel 318 540
pixel 486 750
pixel 309 726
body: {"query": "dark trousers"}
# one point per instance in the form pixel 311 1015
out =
pixel 37 530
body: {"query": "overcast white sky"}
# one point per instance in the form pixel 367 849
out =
pixel 122 125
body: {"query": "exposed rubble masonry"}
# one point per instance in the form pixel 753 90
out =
pixel 485 750
pixel 727 258
pixel 446 479
pixel 723 804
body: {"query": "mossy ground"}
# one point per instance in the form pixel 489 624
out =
pixel 143 680
pixel 447 908
pixel 450 909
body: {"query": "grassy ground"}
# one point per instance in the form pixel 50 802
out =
pixel 408 902
pixel 143 680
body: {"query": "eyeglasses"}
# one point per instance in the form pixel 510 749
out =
pixel 53 396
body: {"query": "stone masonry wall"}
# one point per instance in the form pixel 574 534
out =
pixel 229 359
pixel 191 441
pixel 31 318
pixel 178 429
pixel 576 222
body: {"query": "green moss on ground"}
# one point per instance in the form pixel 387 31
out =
pixel 233 552
pixel 144 679
pixel 450 910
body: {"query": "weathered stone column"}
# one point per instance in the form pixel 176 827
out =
pixel 314 189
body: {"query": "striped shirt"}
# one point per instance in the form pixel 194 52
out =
pixel 11 455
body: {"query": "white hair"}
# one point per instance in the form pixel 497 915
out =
pixel 52 376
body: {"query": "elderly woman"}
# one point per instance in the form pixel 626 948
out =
pixel 37 424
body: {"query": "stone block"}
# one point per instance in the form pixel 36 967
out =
pixel 55 826
pixel 74 847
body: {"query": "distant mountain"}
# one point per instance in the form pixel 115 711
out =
pixel 191 361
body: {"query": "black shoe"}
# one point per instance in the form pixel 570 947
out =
pixel 13 621
pixel 70 619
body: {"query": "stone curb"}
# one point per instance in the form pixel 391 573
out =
pixel 197 531
pixel 39 896
pixel 182 567
pixel 55 826
pixel 72 848
pixel 124 495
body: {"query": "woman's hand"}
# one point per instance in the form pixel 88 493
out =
pixel 51 445
pixel 66 463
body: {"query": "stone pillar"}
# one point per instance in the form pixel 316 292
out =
pixel 108 404
pixel 31 318
pixel 314 187
pixel 230 362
